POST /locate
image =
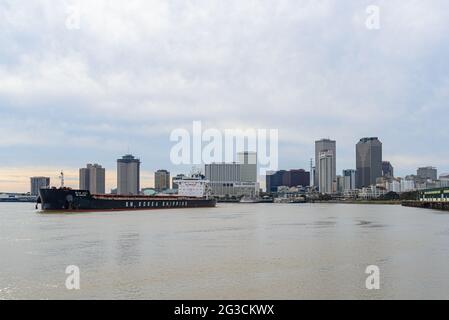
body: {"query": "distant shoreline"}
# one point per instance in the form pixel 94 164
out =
pixel 384 202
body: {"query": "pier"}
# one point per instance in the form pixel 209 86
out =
pixel 437 199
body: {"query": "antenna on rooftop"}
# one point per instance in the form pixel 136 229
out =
pixel 61 178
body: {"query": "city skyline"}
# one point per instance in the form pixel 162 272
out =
pixel 147 179
pixel 71 96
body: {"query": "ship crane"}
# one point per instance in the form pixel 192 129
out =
pixel 61 178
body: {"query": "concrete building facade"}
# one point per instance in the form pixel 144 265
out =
pixel 320 146
pixel 248 166
pixel 327 175
pixel 291 178
pixel 349 179
pixel 36 183
pixel 427 173
pixel 128 175
pixel 162 180
pixel 234 179
pixel 387 169
pixel 93 178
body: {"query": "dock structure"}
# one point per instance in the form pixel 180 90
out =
pixel 437 199
pixel 427 204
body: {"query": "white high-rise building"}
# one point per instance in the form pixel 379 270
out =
pixel 128 175
pixel 320 146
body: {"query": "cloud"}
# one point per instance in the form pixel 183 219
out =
pixel 136 70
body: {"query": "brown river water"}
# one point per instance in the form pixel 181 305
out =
pixel 234 251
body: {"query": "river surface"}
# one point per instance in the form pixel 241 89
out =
pixel 234 251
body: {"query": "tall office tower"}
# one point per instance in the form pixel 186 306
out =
pixel 93 178
pixel 326 172
pixel 428 173
pixel 368 161
pixel 320 146
pixel 128 175
pixel 387 169
pixel 37 183
pixel 349 180
pixel 248 166
pixel 162 180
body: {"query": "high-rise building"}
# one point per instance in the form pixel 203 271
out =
pixel 223 172
pixel 326 172
pixel 368 161
pixel 428 173
pixel 36 183
pixel 320 146
pixel 292 178
pixel 162 180
pixel 387 169
pixel 349 180
pixel 128 175
pixel 248 166
pixel 225 179
pixel 299 177
pixel 92 178
pixel 340 184
pixel 84 178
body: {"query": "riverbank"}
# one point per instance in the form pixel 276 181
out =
pixel 383 202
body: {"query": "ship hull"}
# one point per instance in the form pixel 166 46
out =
pixel 83 201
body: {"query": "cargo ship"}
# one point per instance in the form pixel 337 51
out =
pixel 67 199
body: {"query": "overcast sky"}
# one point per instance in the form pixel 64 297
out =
pixel 136 70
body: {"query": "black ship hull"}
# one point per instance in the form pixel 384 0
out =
pixel 82 200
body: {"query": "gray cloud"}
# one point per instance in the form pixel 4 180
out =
pixel 135 70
